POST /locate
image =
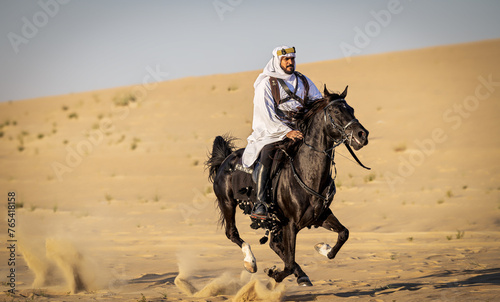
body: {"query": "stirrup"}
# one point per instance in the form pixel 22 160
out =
pixel 257 216
pixel 260 217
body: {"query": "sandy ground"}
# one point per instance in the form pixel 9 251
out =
pixel 114 202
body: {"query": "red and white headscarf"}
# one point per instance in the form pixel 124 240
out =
pixel 273 68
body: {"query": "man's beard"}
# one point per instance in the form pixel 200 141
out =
pixel 287 70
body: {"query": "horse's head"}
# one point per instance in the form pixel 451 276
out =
pixel 342 123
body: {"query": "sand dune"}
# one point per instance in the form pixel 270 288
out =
pixel 114 203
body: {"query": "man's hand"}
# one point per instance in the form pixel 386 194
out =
pixel 295 135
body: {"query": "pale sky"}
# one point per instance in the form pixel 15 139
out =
pixel 52 47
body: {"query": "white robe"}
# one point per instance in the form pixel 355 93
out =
pixel 267 128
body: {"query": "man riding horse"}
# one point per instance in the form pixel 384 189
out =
pixel 304 186
pixel 280 91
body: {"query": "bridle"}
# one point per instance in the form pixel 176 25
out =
pixel 344 138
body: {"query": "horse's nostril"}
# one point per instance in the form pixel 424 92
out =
pixel 361 134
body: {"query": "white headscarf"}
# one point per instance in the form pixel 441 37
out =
pixel 273 68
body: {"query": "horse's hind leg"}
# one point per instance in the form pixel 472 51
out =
pixel 331 223
pixel 228 210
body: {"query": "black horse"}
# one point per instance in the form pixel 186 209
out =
pixel 305 189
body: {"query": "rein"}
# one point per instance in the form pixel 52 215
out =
pixel 331 187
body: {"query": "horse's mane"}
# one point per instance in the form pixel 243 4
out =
pixel 304 117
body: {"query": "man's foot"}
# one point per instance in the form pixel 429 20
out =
pixel 259 211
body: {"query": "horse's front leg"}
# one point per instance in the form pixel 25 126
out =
pixel 331 223
pixel 285 249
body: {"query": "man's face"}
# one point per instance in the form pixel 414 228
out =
pixel 288 64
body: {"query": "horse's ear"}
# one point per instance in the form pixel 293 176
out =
pixel 325 91
pixel 344 94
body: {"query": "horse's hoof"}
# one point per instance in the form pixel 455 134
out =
pixel 304 281
pixel 323 248
pixel 269 271
pixel 251 267
pixel 249 262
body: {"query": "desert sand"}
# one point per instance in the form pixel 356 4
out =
pixel 114 204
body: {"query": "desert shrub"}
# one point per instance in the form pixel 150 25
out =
pixel 232 87
pixel 400 147
pixel 370 177
pixel 135 141
pixel 124 100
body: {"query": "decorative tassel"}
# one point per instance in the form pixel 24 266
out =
pixel 265 238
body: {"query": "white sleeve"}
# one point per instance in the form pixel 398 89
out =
pixel 265 120
pixel 314 93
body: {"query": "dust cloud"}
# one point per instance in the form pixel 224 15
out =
pixel 247 288
pixel 56 261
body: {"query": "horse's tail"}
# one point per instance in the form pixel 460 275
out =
pixel 222 148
